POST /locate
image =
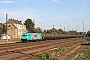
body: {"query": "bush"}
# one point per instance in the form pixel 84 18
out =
pixel 87 38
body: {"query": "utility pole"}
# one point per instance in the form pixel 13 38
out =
pixel 60 25
pixel 6 26
pixel 53 26
pixel 64 28
pixel 83 28
pixel 68 28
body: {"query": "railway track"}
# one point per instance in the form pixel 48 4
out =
pixel 24 51
pixel 73 52
pixel 69 53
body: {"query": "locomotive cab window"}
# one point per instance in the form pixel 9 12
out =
pixel 24 34
pixel 35 35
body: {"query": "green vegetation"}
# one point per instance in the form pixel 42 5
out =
pixel 50 55
pixel 87 38
pixel 42 57
pixel 81 41
pixel 29 25
pixel 84 53
pixel 2 29
pixel 60 31
pixel 38 30
pixel 56 52
pixel 88 34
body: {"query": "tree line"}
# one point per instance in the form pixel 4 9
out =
pixel 30 26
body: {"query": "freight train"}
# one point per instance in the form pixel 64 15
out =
pixel 27 36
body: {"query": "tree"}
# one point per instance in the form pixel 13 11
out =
pixel 44 31
pixel 0 29
pixel 53 30
pixel 88 34
pixel 72 32
pixel 3 29
pixel 60 31
pixel 29 25
pixel 38 30
pixel 48 31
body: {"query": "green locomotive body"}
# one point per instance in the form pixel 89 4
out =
pixel 27 36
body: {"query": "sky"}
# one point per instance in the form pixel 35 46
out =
pixel 68 14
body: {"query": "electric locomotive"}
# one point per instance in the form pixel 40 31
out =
pixel 27 36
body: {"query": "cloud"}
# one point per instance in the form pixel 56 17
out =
pixel 84 1
pixel 26 1
pixel 83 7
pixel 20 14
pixel 55 0
pixel 6 2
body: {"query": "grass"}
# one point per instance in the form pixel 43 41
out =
pixel 43 56
pixel 54 53
pixel 84 53
pixel 51 54
pixel 87 38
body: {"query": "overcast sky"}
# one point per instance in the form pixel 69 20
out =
pixel 46 13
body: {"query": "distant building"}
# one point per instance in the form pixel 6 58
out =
pixel 15 28
pixel 4 36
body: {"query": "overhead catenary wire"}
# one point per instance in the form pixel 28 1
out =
pixel 67 6
pixel 39 14
pixel 69 9
pixel 35 13
pixel 62 10
pixel 26 10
